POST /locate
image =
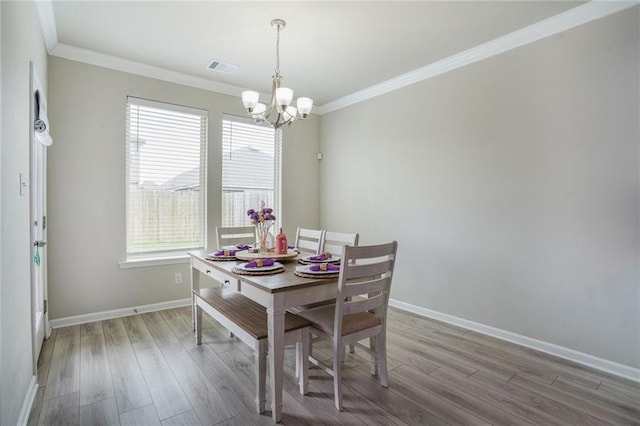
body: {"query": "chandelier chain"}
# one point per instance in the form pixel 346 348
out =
pixel 278 50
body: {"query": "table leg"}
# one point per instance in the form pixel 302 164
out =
pixel 195 285
pixel 276 359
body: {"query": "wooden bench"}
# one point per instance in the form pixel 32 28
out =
pixel 248 321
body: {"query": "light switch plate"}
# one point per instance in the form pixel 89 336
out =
pixel 23 185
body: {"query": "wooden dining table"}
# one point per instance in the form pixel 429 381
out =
pixel 277 293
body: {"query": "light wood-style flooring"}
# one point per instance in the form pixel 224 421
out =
pixel 147 370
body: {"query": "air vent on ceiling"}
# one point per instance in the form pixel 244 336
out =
pixel 220 66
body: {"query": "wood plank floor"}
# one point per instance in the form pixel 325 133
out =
pixel 147 370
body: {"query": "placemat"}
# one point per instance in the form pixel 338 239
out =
pixel 220 258
pixel 316 276
pixel 256 273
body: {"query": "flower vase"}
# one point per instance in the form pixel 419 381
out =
pixel 263 236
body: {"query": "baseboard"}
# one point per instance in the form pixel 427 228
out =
pixel 28 402
pixel 550 348
pixel 116 313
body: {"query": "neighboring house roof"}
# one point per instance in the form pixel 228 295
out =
pixel 256 163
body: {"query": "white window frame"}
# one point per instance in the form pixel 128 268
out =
pixel 161 257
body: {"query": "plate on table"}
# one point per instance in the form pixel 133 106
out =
pixel 306 269
pixel 212 256
pixel 332 259
pixel 247 255
pixel 236 247
pixel 276 265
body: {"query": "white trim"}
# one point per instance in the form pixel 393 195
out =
pixel 23 419
pixel 116 313
pixel 157 261
pixel 564 21
pixel 47 23
pixel 539 345
pixel 79 54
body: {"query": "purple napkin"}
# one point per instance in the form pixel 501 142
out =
pixel 324 267
pixel 291 247
pixel 243 246
pixel 259 263
pixel 225 253
pixel 322 256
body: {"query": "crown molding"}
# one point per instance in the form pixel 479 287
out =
pixel 564 21
pixel 572 18
pixel 79 54
pixel 47 23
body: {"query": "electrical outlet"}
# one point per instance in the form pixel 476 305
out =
pixel 178 278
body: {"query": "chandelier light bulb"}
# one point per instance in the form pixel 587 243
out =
pixel 250 99
pixel 284 96
pixel 304 106
pixel 259 109
pixel 290 113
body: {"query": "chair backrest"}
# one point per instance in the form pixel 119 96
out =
pixel 365 271
pixel 333 242
pixel 232 235
pixel 309 241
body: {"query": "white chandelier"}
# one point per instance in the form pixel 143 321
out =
pixel 279 112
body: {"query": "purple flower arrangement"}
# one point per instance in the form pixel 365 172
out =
pixel 262 219
pixel 262 215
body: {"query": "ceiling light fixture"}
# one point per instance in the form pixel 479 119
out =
pixel 279 112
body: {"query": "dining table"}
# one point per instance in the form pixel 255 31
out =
pixel 276 292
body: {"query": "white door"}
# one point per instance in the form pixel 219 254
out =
pixel 38 194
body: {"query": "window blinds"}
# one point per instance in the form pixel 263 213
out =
pixel 165 176
pixel 250 169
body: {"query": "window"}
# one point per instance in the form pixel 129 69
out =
pixel 250 169
pixel 165 178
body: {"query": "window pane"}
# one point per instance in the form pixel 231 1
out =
pixel 249 162
pixel 165 177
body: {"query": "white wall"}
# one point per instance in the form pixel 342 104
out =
pixel 511 185
pixel 86 172
pixel 21 42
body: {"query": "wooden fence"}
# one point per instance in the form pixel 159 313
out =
pixel 160 220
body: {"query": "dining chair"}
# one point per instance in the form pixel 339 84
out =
pixel 232 235
pixel 333 242
pixel 365 277
pixel 309 241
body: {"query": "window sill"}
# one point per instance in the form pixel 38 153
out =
pixel 154 261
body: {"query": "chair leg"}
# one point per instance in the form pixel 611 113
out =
pixel 381 343
pixel 374 355
pixel 261 374
pixel 302 362
pixel 198 324
pixel 338 350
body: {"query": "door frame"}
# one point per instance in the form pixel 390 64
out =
pixel 34 161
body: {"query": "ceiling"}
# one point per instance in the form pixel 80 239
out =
pixel 328 50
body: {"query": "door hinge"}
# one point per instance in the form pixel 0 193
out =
pixel 46 306
pixel 44 223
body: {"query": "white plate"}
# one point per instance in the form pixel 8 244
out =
pixel 332 259
pixel 231 248
pixel 220 256
pixel 276 265
pixel 306 269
